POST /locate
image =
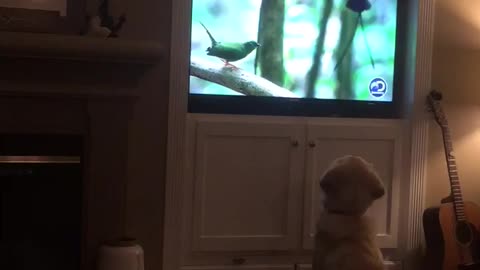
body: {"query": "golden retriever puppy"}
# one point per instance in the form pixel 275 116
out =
pixel 345 239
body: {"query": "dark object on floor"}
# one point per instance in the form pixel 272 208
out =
pixel 433 238
pixel 474 266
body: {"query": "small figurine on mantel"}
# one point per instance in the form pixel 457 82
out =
pixel 104 25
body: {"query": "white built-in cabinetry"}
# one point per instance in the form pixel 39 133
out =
pixel 251 193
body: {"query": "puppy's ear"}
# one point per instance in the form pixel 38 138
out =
pixel 327 182
pixel 378 189
pixel 378 192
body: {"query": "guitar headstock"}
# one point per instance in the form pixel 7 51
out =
pixel 433 102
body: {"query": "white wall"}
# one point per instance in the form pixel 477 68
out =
pixel 456 73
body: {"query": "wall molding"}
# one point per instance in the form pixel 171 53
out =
pixel 177 118
pixel 419 125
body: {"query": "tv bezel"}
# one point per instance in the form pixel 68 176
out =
pixel 311 107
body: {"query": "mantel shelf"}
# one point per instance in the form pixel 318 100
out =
pixel 79 48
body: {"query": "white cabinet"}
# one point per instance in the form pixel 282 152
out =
pixel 252 184
pixel 247 186
pixel 389 265
pixel 304 267
pixel 243 267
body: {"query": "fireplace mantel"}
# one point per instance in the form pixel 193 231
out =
pixel 79 48
pixel 60 65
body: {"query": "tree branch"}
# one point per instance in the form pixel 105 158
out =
pixel 236 79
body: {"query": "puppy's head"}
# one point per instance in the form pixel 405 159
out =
pixel 350 186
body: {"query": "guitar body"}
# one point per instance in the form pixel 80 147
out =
pixel 443 250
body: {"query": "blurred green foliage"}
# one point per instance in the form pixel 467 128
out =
pixel 237 20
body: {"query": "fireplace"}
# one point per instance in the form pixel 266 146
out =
pixel 112 93
pixel 40 202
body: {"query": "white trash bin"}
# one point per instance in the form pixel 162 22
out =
pixel 122 254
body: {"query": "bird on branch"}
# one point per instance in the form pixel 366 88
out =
pixel 230 51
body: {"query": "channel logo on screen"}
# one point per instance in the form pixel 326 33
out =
pixel 377 87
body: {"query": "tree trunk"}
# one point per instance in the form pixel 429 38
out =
pixel 314 71
pixel 269 56
pixel 344 72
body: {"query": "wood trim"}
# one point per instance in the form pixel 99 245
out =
pixel 105 176
pixel 418 176
pixel 40 159
pixel 419 123
pixel 177 119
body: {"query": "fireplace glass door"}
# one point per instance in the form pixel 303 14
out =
pixel 40 212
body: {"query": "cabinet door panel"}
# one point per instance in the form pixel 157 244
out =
pixel 241 267
pixel 379 145
pixel 247 186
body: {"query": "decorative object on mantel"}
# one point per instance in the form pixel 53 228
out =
pixel 121 254
pixel 105 25
pixel 95 29
pixel 54 17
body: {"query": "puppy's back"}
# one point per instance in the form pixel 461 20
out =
pixel 346 243
pixel 355 256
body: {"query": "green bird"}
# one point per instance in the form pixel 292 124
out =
pixel 230 51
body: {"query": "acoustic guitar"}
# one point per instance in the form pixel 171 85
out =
pixel 452 229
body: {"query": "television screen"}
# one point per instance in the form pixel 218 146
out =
pixel 337 50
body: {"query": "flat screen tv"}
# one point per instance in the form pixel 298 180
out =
pixel 296 57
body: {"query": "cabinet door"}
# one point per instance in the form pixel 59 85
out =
pixel 377 142
pixel 247 186
pixel 242 267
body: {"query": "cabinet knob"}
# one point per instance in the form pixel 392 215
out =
pixel 311 144
pixel 295 143
pixel 238 261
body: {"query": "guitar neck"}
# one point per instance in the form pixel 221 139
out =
pixel 455 188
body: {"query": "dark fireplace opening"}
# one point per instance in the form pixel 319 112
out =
pixel 40 202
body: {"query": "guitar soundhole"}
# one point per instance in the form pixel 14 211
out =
pixel 464 233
